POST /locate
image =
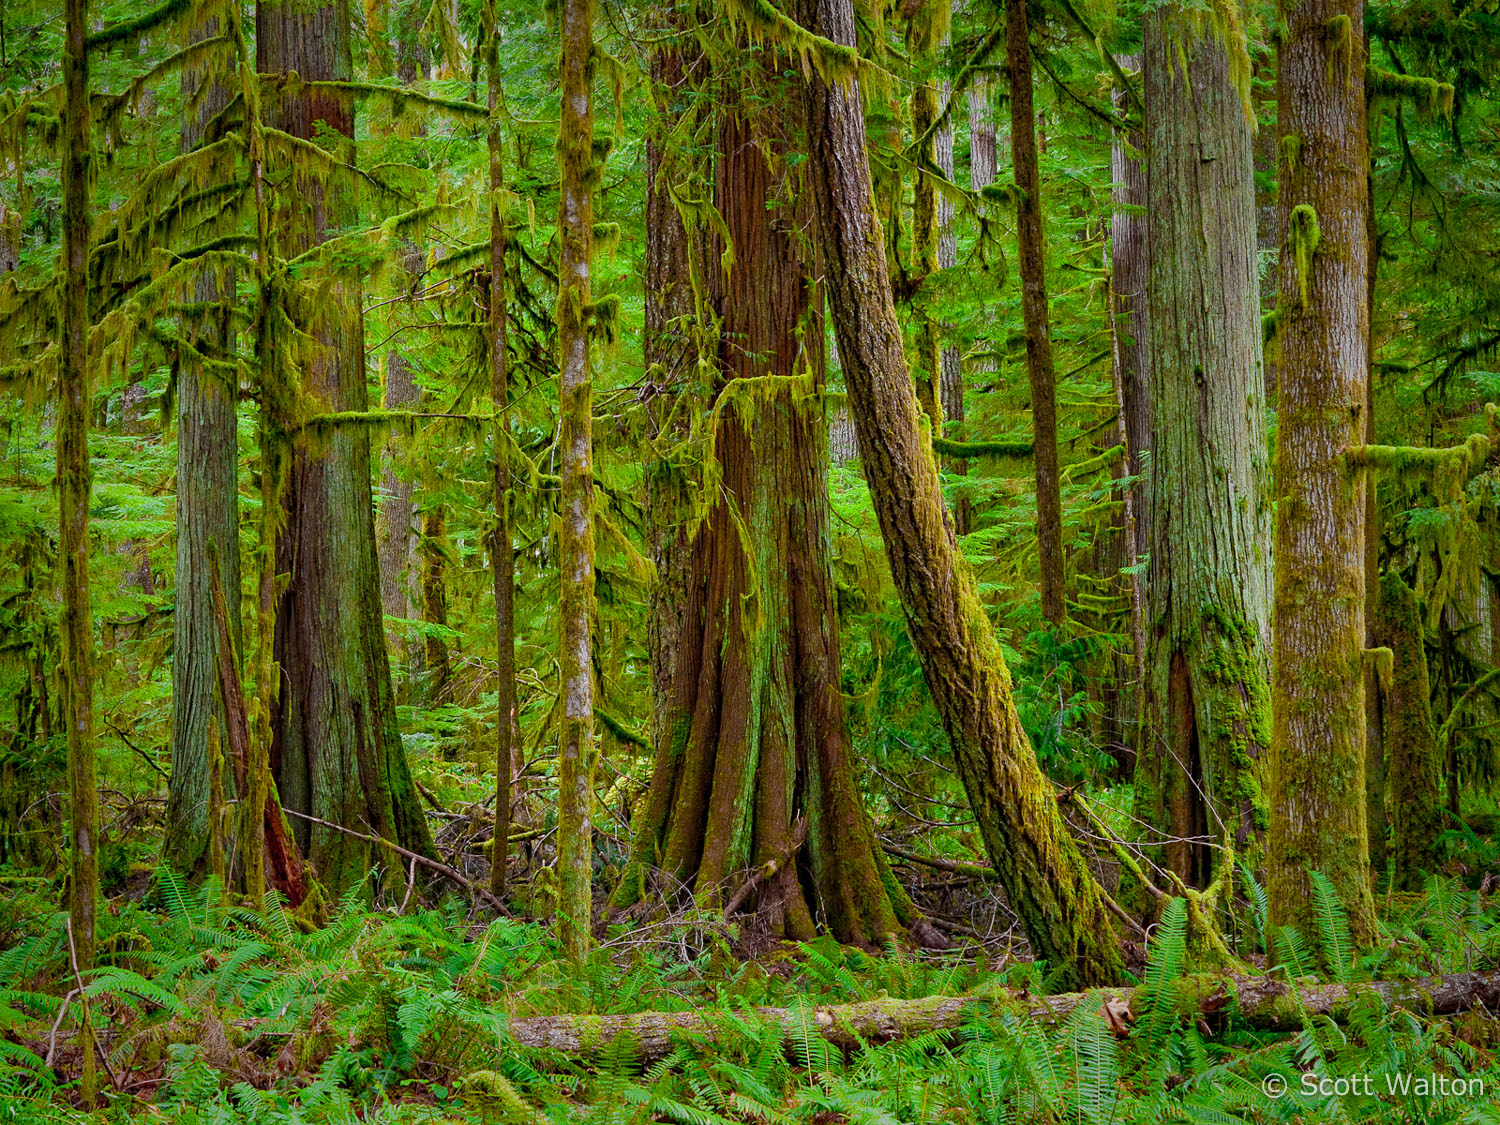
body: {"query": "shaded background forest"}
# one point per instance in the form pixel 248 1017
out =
pixel 386 135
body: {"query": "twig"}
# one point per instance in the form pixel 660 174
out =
pixel 416 857
pixel 769 869
pixel 57 1023
pixel 83 1000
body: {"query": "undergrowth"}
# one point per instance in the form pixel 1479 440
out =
pixel 212 1013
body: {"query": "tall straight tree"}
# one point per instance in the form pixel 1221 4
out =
pixel 500 543
pixel 757 734
pixel 575 225
pixel 1206 718
pixel 1317 763
pixel 74 485
pixel 927 28
pixel 1044 874
pixel 337 752
pixel 207 513
pixel 1039 366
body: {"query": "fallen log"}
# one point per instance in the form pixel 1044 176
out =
pixel 1260 1001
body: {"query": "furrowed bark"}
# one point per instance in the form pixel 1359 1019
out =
pixel 1261 1002
pixel 337 751
pixel 74 487
pixel 927 366
pixel 1042 870
pixel 207 512
pixel 575 220
pixel 1317 762
pixel 757 718
pixel 1039 366
pixel 1206 716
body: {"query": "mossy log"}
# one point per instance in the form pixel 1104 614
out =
pixel 1260 1001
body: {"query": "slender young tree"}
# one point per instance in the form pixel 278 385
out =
pixel 575 224
pixel 1317 761
pixel 1039 367
pixel 207 513
pixel 74 487
pixel 337 751
pixel 1206 718
pixel 1044 874
pixel 928 27
pixel 500 544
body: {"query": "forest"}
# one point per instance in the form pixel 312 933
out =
pixel 827 562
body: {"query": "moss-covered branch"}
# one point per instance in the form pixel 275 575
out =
pixel 975 449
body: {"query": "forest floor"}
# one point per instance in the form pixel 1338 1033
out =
pixel 209 1011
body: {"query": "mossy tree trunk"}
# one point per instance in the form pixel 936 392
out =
pixel 928 22
pixel 1130 325
pixel 575 224
pixel 671 355
pixel 74 487
pixel 437 684
pixel 1410 740
pixel 757 739
pixel 1043 871
pixel 499 542
pixel 1317 763
pixel 336 752
pixel 1206 721
pixel 1030 239
pixel 396 520
pixel 207 512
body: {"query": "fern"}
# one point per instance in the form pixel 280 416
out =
pixel 1333 927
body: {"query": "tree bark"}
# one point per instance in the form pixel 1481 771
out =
pixel 1410 739
pixel 1041 868
pixel 336 752
pixel 500 543
pixel 575 222
pixel 1030 238
pixel 925 22
pixel 1206 714
pixel 74 488
pixel 207 513
pixel 1262 1002
pixel 756 725
pixel 1317 762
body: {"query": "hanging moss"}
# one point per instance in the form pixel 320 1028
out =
pixel 1340 38
pixel 1430 97
pixel 1303 237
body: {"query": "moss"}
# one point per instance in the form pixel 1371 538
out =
pixel 1291 153
pixel 1303 237
pixel 1339 32
pixel 1430 97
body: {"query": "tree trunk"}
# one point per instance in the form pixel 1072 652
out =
pixel 74 487
pixel 207 512
pixel 500 543
pixel 437 687
pixel 927 21
pixel 671 363
pixel 983 156
pixel 336 752
pixel 1039 369
pixel 1317 774
pixel 757 731
pixel 575 224
pixel 1042 870
pixel 1261 1002
pixel 1410 739
pixel 1206 714
pixel 396 537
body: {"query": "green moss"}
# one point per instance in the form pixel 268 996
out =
pixel 1340 37
pixel 1303 237
pixel 1430 97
